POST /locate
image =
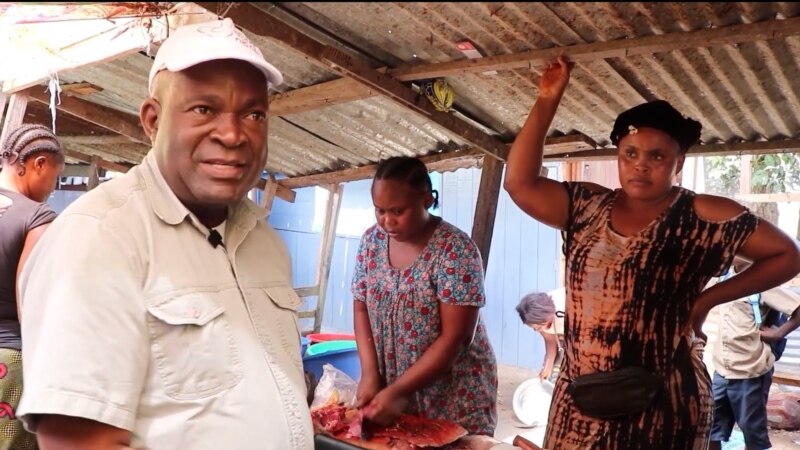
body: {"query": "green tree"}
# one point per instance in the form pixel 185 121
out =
pixel 775 173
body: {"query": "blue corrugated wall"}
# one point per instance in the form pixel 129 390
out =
pixel 524 256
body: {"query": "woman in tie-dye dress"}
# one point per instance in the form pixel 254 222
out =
pixel 637 259
pixel 418 289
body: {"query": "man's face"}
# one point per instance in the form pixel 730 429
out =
pixel 208 124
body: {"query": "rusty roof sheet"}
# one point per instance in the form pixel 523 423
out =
pixel 746 91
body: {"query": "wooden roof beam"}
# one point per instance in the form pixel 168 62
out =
pixel 348 89
pixel 440 162
pixel 621 48
pixel 260 23
pixel 101 163
pixel 102 116
pixel 739 148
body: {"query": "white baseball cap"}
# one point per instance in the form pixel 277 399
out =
pixel 190 45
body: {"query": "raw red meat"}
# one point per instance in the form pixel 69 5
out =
pixel 423 432
pixel 409 433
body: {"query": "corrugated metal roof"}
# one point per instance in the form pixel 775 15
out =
pixel 746 91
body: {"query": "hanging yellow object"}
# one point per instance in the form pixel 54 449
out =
pixel 439 93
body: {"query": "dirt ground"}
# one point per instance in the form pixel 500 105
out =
pixel 508 426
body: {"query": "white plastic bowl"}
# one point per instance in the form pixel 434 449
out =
pixel 531 402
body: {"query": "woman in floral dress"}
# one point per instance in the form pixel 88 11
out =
pixel 418 289
pixel 637 260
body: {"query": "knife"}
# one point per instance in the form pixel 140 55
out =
pixel 367 429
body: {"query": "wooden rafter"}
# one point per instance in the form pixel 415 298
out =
pixel 456 159
pixel 440 162
pixel 621 48
pixel 93 139
pixel 101 163
pixel 316 95
pixel 102 116
pixel 260 23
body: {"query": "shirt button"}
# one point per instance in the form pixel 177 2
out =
pixel 195 313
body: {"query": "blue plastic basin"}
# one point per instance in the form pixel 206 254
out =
pixel 304 343
pixel 340 354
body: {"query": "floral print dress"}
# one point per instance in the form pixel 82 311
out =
pixel 403 308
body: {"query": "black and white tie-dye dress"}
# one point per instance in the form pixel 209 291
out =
pixel 628 300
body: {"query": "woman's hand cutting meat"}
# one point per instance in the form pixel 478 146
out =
pixel 368 388
pixel 385 407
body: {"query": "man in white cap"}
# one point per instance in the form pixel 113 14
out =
pixel 158 311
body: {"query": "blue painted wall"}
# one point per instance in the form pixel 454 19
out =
pixel 524 256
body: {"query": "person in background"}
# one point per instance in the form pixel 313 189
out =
pixel 158 309
pixel 537 310
pixel 637 260
pixel 744 362
pixel 418 289
pixel 32 160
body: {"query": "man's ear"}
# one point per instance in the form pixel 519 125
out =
pixel 149 113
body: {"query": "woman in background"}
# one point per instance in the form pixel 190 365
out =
pixel 537 310
pixel 418 290
pixel 32 160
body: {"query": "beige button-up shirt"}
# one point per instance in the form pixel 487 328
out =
pixel 131 318
pixel 739 352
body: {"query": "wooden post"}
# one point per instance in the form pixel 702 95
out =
pixel 745 174
pixel 326 249
pixel 270 189
pixel 94 175
pixel 486 206
pixel 15 114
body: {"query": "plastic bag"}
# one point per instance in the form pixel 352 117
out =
pixel 334 387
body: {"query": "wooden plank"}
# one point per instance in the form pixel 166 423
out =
pixel 282 192
pixel 745 174
pixel 621 48
pixel 326 249
pixel 93 139
pixel 433 162
pixel 486 207
pixel 309 291
pixel 270 189
pixel 262 24
pixel 94 175
pixel 103 164
pixel 569 143
pixel 440 162
pixel 309 98
pixel 788 379
pixel 102 116
pixel 307 315
pixel 752 148
pixel 15 114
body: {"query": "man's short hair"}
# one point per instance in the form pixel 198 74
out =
pixel 536 308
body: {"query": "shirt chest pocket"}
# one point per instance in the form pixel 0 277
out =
pixel 193 348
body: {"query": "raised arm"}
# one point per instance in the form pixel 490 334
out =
pixel 541 198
